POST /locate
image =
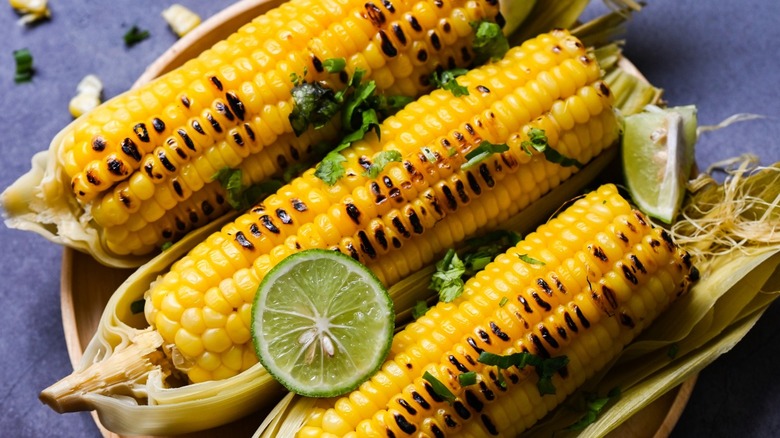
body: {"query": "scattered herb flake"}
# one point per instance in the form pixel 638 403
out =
pixel 135 35
pixel 446 81
pixel 503 302
pixel 594 405
pixel 489 41
pixel 330 169
pixel 545 368
pixel 381 160
pixel 439 388
pixel 447 279
pixel 24 66
pixel 166 245
pixel 482 152
pixel 530 260
pixel 419 309
pixel 334 65
pixel 467 379
pixel 486 248
pixel 241 197
pixel 537 140
pixel 137 306
pixel 428 154
pixel 314 104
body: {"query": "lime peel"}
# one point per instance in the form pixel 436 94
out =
pixel 322 323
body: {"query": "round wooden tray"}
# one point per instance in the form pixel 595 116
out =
pixel 87 285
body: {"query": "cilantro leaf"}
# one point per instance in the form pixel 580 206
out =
pixel 545 368
pixel 241 197
pixel 487 248
pixel 334 65
pixel 313 104
pixel 489 41
pixel 386 106
pixel 381 160
pixel 439 388
pixel 530 260
pixel 419 309
pixel 482 152
pixel 447 279
pixel 135 35
pixel 537 140
pixel 446 81
pixel 24 66
pixel 330 169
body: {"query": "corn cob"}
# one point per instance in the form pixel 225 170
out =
pixel 202 306
pixel 603 274
pixel 124 160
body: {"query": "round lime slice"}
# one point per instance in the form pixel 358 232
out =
pixel 322 323
pixel 658 154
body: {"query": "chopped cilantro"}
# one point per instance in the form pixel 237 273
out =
pixel 439 388
pixel 137 306
pixel 537 140
pixel 467 379
pixel 530 260
pixel 386 106
pixel 166 245
pixel 482 152
pixel 489 41
pixel 381 160
pixel 419 309
pixel 330 169
pixel 334 65
pixel 545 368
pixel 24 66
pixel 314 105
pixel 428 154
pixel 594 405
pixel 446 81
pixel 135 35
pixel 447 279
pixel 503 301
pixel 241 197
pixel 486 248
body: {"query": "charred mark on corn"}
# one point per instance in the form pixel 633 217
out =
pixel 243 241
pixel 217 83
pixel 214 123
pixel 116 166
pixel 236 105
pixel 130 149
pixel 141 132
pixel 284 216
pixel 375 15
pixel 461 409
pixel 165 161
pixel 353 212
pixel 405 404
pixel 158 125
pixel 628 274
pixel 398 31
pixel 387 46
pixel 185 137
pixel 269 225
pixel 221 108
pixel 197 127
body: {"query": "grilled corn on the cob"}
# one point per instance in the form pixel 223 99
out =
pixel 118 182
pixel 601 274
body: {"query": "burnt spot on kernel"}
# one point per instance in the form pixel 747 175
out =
pixel 422 55
pixel 399 226
pixel 540 350
pixel 207 208
pixel 281 160
pixel 317 63
pixel 545 287
pixel 473 344
pixel 158 125
pixel 124 199
pixel 403 424
pixel 414 221
pixel 540 302
pixel 570 322
pixel 387 46
pixel 483 89
pixel 395 195
pixel 238 139
pixel 116 167
pixel 561 332
pixel 180 225
pixel 473 401
pixel 626 320
pixel 236 105
pixel 449 421
pixel 193 215
pixel 375 15
pixel 484 172
pixel 622 237
pixel 484 336
pixel 221 108
pixel 268 223
pixel 255 230
pixel 167 233
pixel 148 167
pixel 498 332
pixel 398 31
pixel 185 101
pixel 414 23
pixel 243 241
pixel 631 226
pixel 581 316
pixel 217 83
pixel 433 394
pixel 638 264
pixel 381 238
pixel 177 187
pixel 461 409
pixel 548 337
pixel 284 216
pixel 405 404
pixel 98 143
pixel 454 360
pixel 526 307
pixel 186 138
pixel 599 254
pixel 436 431
pixel 141 132
pixel 628 274
pixel 214 123
pixel 420 400
pixel 465 54
pixel 130 149
pixel 197 127
pixel 298 205
pixel 460 188
pixel 365 244
pixel 604 89
pixel 352 251
pixel 249 131
pixel 439 3
pixel 473 184
pixel 435 41
pixel 396 242
pixel 491 428
pixel 353 212
pixel 667 239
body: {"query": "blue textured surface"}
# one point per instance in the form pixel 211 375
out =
pixel 720 55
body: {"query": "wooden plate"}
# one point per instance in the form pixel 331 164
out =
pixel 86 285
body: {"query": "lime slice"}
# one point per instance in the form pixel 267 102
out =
pixel 657 158
pixel 322 323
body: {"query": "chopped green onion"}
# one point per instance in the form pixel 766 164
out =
pixel 467 379
pixel 24 66
pixel 545 368
pixel 482 152
pixel 439 388
pixel 135 35
pixel 594 405
pixel 381 160
pixel 530 260
pixel 503 302
pixel 537 140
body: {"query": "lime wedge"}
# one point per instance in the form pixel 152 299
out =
pixel 322 323
pixel 658 154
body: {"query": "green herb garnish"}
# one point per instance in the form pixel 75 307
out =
pixel 594 405
pixel 487 248
pixel 439 388
pixel 419 309
pixel 241 197
pixel 467 379
pixel 545 368
pixel 447 280
pixel 135 35
pixel 503 302
pixel 330 169
pixel 530 260
pixel 334 65
pixel 482 152
pixel 446 81
pixel 489 41
pixel 537 140
pixel 24 66
pixel 428 154
pixel 314 105
pixel 381 160
pixel 166 245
